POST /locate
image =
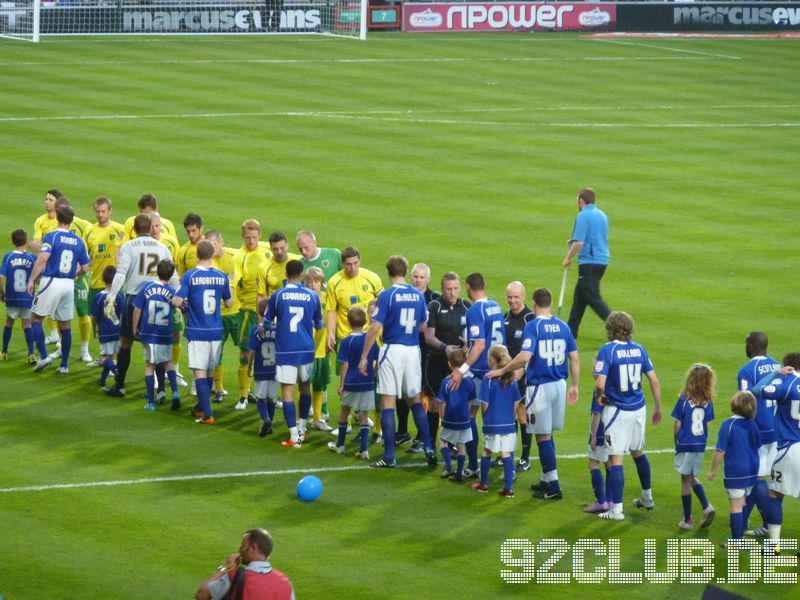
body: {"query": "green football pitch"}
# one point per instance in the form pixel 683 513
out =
pixel 465 152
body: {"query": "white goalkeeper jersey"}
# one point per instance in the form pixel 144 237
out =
pixel 136 264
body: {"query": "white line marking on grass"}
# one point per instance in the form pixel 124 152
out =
pixel 233 475
pixel 671 49
pixel 292 61
pixel 363 114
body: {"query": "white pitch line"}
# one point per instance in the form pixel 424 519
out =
pixel 362 114
pixel 233 475
pixel 671 49
pixel 293 61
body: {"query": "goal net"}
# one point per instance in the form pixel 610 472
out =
pixel 27 19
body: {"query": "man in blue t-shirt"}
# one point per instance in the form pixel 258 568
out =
pixel 202 291
pixel 62 258
pixel 759 366
pixel 15 270
pixel 590 242
pixel 485 327
pixel 548 348
pixel 296 312
pixel 618 371
pixel 402 313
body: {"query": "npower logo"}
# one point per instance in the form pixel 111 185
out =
pixel 594 18
pixel 426 18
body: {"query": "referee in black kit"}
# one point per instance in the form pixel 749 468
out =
pixel 517 315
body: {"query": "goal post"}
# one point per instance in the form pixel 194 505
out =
pixel 28 19
pixel 19 19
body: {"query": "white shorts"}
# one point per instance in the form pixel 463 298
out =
pixel 766 456
pixel 399 371
pixel 624 429
pixel 157 353
pixel 689 463
pixel 456 436
pixel 500 442
pixel 291 374
pixel 55 298
pixel 600 453
pixel 109 348
pixel 545 404
pixel 267 389
pixel 786 471
pixel 16 312
pixel 203 355
pixel 734 493
pixel 359 401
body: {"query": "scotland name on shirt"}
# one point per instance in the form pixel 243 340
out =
pixel 107 330
pixel 401 310
pixel 16 268
pixel 350 350
pixel 296 312
pixel 205 288
pixel 457 403
pixel 550 340
pixel 785 391
pixel 66 251
pixel 485 322
pixel 694 420
pixel 155 324
pixel 262 343
pixel 624 364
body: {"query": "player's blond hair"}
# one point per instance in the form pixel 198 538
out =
pixel 498 354
pixel 700 386
pixel 313 274
pixel 252 225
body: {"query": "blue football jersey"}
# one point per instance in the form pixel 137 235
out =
pixel 296 312
pixel 600 436
pixel 485 322
pixel 263 344
pixel 784 390
pixel 401 310
pixel 350 349
pixel 749 375
pixel 107 330
pixel 457 403
pixel 16 268
pixel 205 288
pixel 499 417
pixel 155 302
pixel 550 341
pixel 624 364
pixel 66 251
pixel 694 420
pixel 738 439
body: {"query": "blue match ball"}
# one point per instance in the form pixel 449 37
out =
pixel 309 488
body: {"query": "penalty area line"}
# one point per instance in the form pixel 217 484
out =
pixel 239 474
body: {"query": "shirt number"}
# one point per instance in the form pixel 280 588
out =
pixel 698 417
pixel 20 280
pixel 297 313
pixel 497 332
pixel 630 376
pixel 268 353
pixel 157 313
pixel 408 320
pixel 65 266
pixel 147 264
pixel 553 351
pixel 209 302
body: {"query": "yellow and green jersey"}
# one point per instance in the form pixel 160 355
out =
pixel 171 243
pixel 80 227
pixel 225 264
pixel 102 244
pixel 273 276
pixel 166 227
pixel 186 258
pixel 344 293
pixel 321 335
pixel 247 264
pixel 42 225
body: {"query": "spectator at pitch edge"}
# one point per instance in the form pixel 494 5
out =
pixel 248 575
pixel 589 242
pixel 420 278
